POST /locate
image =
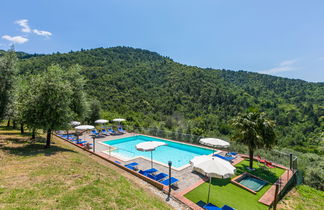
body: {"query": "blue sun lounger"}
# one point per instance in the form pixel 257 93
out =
pixel 105 132
pixel 132 164
pixel 95 132
pixel 210 206
pixel 121 130
pixel 226 207
pixel 158 177
pixel 131 167
pixel 111 131
pixel 166 181
pixel 224 158
pixel 148 171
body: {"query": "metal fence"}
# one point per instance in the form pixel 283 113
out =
pixel 286 159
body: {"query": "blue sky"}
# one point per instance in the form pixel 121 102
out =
pixel 279 37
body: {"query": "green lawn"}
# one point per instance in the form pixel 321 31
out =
pixel 303 197
pixel 224 192
pixel 62 178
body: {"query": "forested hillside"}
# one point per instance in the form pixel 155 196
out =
pixel 154 91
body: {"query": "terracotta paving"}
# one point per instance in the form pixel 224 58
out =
pixel 268 197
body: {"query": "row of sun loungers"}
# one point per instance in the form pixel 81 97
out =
pixel 109 132
pixel 74 139
pixel 152 174
pixel 210 206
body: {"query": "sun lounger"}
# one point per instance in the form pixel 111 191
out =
pixel 201 203
pixel 269 164
pixel 148 171
pixel 260 160
pixel 151 170
pixel 158 177
pixel 224 158
pixel 132 164
pixel 95 132
pixel 121 130
pixel 173 181
pixel 231 154
pixel 226 207
pixel 105 132
pixel 210 206
pixel 161 176
pixel 131 167
pixel 112 132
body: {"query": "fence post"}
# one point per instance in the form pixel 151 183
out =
pixel 275 197
pixel 290 163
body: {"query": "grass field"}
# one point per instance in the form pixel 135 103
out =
pixel 303 197
pixel 224 192
pixel 32 177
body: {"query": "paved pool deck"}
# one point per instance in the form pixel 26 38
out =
pixel 189 179
pixel 187 176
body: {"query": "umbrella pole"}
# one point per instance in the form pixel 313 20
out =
pixel 151 159
pixel 209 189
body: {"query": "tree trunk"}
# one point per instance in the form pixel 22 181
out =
pixel 33 134
pixel 14 124
pixel 48 138
pixel 251 157
pixel 22 131
pixel 8 124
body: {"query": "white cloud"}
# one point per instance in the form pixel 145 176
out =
pixel 42 33
pixel 24 24
pixel 15 39
pixel 26 28
pixel 284 66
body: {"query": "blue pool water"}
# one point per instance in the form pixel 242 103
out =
pixel 179 154
pixel 252 183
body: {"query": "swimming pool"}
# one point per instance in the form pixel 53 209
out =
pixel 180 154
pixel 249 182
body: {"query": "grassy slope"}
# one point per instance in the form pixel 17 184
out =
pixel 223 192
pixel 303 197
pixel 61 178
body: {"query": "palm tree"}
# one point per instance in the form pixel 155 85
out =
pixel 255 131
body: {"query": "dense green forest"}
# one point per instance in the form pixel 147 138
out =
pixel 154 91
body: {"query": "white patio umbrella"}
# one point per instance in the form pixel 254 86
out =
pixel 149 146
pixel 84 127
pixel 213 167
pixel 213 142
pixel 118 120
pixel 101 121
pixel 75 123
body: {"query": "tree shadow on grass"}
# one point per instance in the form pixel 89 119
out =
pixel 221 182
pixel 35 149
pixel 259 172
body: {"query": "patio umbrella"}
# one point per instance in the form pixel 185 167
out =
pixel 75 123
pixel 213 167
pixel 84 127
pixel 118 120
pixel 101 121
pixel 213 142
pixel 149 146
